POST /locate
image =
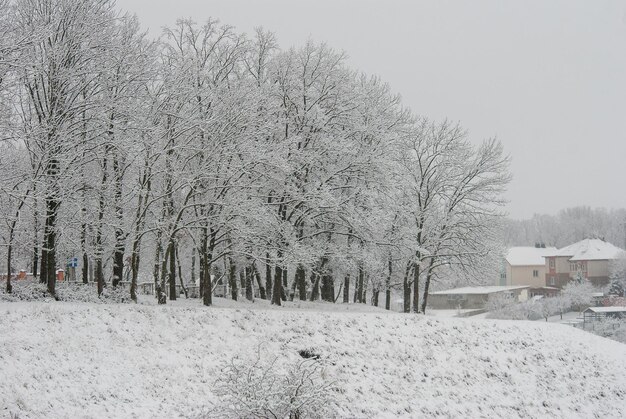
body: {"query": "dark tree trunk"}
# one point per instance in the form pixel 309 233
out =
pixel 388 285
pixel 157 257
pixel 360 289
pixel 346 288
pixel 257 276
pixel 328 284
pixel 375 297
pixel 99 275
pixel 268 276
pixel 120 237
pixel 277 292
pixel 249 284
pixel 36 237
pixel 9 287
pixel 43 277
pixel 232 278
pixel 301 282
pixel 180 274
pixel 193 266
pixel 315 287
pixel 429 274
pixel 118 262
pixel 284 288
pixel 172 269
pixel 406 285
pixel 52 206
pixel 416 287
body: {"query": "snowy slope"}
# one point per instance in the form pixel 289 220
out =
pixel 82 360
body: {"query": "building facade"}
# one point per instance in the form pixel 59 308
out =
pixel 588 259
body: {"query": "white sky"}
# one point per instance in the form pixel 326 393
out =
pixel 547 77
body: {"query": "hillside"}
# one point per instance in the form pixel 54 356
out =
pixel 85 360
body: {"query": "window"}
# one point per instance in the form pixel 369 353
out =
pixel 503 275
pixel 535 273
pixel 552 281
pixel 551 263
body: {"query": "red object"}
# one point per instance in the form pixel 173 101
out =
pixel 60 275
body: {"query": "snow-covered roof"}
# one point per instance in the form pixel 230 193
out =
pixel 616 309
pixel 528 256
pixel 479 290
pixel 591 249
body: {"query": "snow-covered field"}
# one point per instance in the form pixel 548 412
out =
pixel 115 360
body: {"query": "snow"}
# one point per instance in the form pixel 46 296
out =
pixel 528 256
pixel 591 249
pixel 479 290
pixel 68 360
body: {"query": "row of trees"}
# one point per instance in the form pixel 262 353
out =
pixel 569 226
pixel 209 148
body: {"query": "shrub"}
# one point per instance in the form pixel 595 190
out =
pixel 272 388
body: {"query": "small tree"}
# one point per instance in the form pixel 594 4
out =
pixel 579 294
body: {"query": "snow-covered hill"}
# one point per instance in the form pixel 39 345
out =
pixel 84 360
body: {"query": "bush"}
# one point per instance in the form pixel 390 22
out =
pixel 65 291
pixel 269 388
pixel 26 291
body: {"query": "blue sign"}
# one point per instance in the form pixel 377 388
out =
pixel 73 263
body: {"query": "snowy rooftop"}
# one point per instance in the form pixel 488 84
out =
pixel 616 309
pixel 591 249
pixel 528 256
pixel 479 290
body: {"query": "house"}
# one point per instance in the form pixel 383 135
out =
pixel 525 266
pixel 474 297
pixel 587 259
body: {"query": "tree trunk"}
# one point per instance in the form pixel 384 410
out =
pixel 375 297
pixel 416 288
pixel 52 206
pixel 9 287
pixel 315 290
pixel 257 276
pixel 328 284
pixel 346 289
pixel 285 287
pixel 249 284
pixel 429 274
pixel 278 285
pixel 232 278
pixel 99 275
pixel 180 274
pixel 406 285
pixel 268 276
pixel 388 285
pixel 172 269
pixel 360 294
pixel 120 237
pixel 36 239
pixel 301 282
pixel 158 249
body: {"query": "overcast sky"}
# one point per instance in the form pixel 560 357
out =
pixel 547 78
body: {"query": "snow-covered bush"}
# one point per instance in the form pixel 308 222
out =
pixel 527 310
pixel 65 291
pixel 274 388
pixel 26 291
pixel 580 294
pixel 611 328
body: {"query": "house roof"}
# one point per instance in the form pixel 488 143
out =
pixel 590 249
pixel 528 256
pixel 615 309
pixel 479 290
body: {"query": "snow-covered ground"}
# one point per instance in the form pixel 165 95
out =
pixel 116 360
